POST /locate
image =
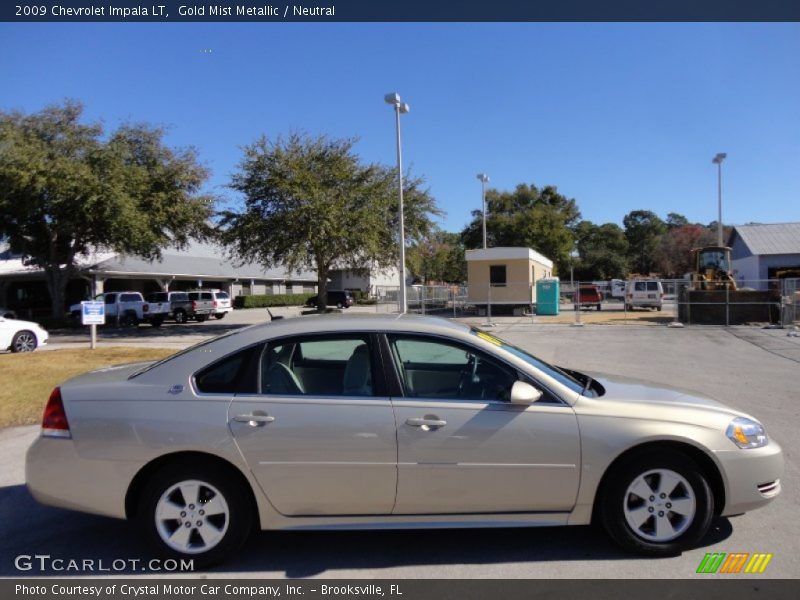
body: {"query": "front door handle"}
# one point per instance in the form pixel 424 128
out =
pixel 254 420
pixel 426 423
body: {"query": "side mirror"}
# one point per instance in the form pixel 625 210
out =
pixel 524 393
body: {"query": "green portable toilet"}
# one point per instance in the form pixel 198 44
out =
pixel 547 296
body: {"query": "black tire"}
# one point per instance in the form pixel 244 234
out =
pixel 156 322
pixel 658 308
pixel 180 316
pixel 129 321
pixel 237 524
pixel 220 316
pixel 598 307
pixel 200 318
pixel 616 500
pixel 339 305
pixel 24 341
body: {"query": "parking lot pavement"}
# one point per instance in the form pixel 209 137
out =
pixel 713 361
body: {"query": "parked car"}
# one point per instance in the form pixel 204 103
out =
pixel 390 422
pixel 590 295
pixel 337 298
pixel 122 308
pixel 202 305
pixel 181 308
pixel 21 336
pixel 222 304
pixel 644 293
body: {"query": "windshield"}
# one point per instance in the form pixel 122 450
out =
pixel 562 376
pixel 714 259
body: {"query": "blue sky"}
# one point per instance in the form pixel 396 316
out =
pixel 618 116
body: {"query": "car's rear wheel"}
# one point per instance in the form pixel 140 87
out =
pixel 24 341
pixel 180 316
pixel 200 318
pixel 657 504
pixel 219 316
pixel 199 513
pixel 156 322
pixel 129 320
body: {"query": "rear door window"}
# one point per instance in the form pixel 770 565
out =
pixel 339 365
pixel 652 286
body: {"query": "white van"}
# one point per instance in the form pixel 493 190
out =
pixel 617 288
pixel 644 293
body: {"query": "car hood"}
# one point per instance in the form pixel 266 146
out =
pixel 22 324
pixel 634 391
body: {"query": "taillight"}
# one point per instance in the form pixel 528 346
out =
pixel 54 420
pixel 194 304
pixel 145 307
pixel 214 304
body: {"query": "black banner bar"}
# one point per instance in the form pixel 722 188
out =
pixel 398 589
pixel 163 11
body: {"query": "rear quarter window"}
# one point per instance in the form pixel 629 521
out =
pixel 230 375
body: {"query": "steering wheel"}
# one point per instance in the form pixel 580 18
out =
pixel 468 374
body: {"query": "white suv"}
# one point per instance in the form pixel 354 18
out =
pixel 222 303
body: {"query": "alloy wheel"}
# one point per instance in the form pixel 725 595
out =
pixel 659 505
pixel 25 341
pixel 192 516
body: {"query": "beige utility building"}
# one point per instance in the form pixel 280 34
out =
pixel 505 277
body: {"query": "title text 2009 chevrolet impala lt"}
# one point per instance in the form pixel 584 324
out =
pixel 380 422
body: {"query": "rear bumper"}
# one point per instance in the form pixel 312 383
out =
pixel 57 475
pixel 752 477
pixel 222 311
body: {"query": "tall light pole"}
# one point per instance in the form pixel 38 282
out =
pixel 400 108
pixel 717 160
pixel 484 178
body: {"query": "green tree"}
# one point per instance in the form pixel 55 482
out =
pixel 674 251
pixel 438 257
pixel 529 217
pixel 65 190
pixel 310 203
pixel 676 220
pixel 603 251
pixel 643 229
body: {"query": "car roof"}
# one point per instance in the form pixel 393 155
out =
pixel 356 322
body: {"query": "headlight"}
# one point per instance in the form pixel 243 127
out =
pixel 746 433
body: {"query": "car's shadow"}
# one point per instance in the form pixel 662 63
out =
pixel 30 529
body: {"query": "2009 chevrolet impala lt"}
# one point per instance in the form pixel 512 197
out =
pixel 390 422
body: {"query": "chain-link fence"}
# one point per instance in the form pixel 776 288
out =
pixel 661 301
pixel 790 302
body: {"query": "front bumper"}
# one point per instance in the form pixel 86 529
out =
pixel 752 477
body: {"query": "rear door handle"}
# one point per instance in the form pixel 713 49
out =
pixel 254 420
pixel 427 422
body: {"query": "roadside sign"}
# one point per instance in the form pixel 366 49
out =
pixel 93 313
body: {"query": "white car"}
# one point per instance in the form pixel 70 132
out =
pixel 21 336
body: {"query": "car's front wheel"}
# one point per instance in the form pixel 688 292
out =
pixel 195 513
pixel 23 341
pixel 657 504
